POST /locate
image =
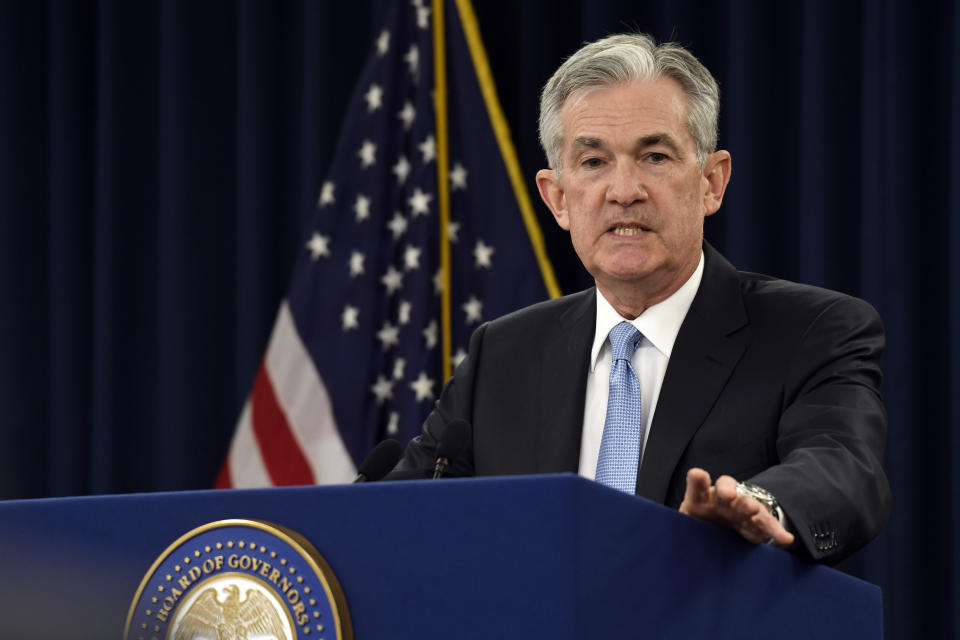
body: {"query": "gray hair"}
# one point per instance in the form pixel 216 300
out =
pixel 618 59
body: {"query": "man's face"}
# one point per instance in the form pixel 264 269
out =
pixel 632 193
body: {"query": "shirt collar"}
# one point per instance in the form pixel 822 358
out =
pixel 659 324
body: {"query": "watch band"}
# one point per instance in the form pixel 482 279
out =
pixel 765 498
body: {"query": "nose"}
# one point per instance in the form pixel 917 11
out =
pixel 626 185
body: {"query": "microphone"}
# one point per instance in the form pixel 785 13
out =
pixel 453 442
pixel 379 461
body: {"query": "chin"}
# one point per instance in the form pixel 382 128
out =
pixel 635 269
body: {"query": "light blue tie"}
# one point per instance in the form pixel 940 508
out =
pixel 623 428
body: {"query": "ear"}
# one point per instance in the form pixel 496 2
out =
pixel 552 193
pixel 716 177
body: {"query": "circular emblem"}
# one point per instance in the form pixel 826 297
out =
pixel 239 579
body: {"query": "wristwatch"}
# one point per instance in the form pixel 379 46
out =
pixel 765 498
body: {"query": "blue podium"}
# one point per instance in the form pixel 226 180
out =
pixel 523 557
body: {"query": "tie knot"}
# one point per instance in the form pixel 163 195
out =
pixel 624 339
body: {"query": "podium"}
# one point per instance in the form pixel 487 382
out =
pixel 551 556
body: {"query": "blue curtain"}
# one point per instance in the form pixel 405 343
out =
pixel 159 162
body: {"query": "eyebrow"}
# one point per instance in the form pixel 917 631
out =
pixel 662 138
pixel 651 140
pixel 590 143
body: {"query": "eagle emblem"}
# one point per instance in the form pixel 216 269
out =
pixel 231 619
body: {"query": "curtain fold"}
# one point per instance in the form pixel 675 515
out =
pixel 952 472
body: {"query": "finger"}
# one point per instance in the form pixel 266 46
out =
pixel 782 537
pixel 756 535
pixel 727 489
pixel 698 480
pixel 697 491
pixel 768 528
pixel 777 533
pixel 748 506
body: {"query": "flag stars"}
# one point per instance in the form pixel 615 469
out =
pixel 407 115
pixel 412 58
pixel 411 257
pixel 423 387
pixel 383 43
pixel 419 203
pixel 382 389
pixel 349 319
pixel 403 312
pixel 430 334
pixel 356 264
pixel 319 246
pixel 393 424
pixel 453 231
pixel 482 254
pixel 397 225
pixel 374 98
pixel 458 177
pixel 473 309
pixel 398 366
pixel 326 194
pixel 388 336
pixel 392 280
pixel 438 281
pixel 423 17
pixel 429 149
pixel 401 169
pixel 367 154
pixel 361 207
pixel 458 357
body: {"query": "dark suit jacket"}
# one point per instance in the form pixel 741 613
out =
pixel 769 381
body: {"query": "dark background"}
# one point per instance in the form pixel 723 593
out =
pixel 159 163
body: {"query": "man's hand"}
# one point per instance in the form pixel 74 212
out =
pixel 722 504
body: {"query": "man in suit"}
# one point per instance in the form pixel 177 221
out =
pixel 676 369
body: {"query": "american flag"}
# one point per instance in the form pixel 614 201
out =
pixel 357 351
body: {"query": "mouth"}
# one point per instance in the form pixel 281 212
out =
pixel 627 230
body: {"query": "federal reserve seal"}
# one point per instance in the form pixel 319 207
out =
pixel 239 579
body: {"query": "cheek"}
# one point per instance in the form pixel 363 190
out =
pixel 577 234
pixel 688 215
pixel 584 215
pixel 582 238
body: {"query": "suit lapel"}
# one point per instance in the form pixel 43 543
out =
pixel 563 384
pixel 707 349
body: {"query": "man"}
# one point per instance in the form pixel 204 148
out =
pixel 676 369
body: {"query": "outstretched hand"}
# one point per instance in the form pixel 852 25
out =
pixel 722 504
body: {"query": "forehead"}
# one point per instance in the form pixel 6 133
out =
pixel 635 109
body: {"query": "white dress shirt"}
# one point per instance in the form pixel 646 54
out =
pixel 659 325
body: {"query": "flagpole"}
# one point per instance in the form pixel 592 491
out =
pixel 481 67
pixel 443 186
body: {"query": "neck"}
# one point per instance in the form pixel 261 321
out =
pixel 632 298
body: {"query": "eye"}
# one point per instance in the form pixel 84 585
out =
pixel 657 157
pixel 592 163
